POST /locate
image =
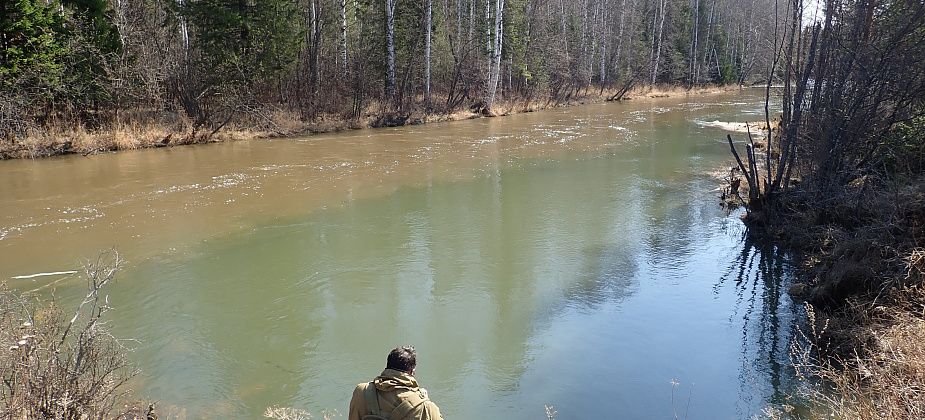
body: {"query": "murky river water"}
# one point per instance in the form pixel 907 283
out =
pixel 574 258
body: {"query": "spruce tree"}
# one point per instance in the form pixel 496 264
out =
pixel 31 44
pixel 243 41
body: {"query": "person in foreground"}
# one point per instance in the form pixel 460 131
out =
pixel 394 394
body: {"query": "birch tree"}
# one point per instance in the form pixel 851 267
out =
pixel 390 49
pixel 343 38
pixel 495 70
pixel 660 13
pixel 428 12
pixel 692 56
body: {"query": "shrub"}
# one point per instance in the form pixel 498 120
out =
pixel 58 365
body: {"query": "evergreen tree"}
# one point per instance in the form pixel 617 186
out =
pixel 245 41
pixel 31 44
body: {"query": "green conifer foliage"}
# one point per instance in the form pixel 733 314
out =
pixel 31 44
pixel 245 41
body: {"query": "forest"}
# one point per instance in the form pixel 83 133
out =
pixel 195 67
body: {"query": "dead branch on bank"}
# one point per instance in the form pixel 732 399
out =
pixel 58 366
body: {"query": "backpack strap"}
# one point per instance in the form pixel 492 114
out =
pixel 372 399
pixel 408 405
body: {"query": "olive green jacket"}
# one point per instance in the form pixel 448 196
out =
pixel 393 388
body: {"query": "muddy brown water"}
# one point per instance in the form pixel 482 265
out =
pixel 574 257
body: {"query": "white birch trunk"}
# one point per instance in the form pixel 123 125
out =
pixel 602 39
pixel 616 59
pixel 709 41
pixel 658 49
pixel 654 34
pixel 471 22
pixel 585 37
pixel 343 37
pixel 427 30
pixel 694 35
pixel 495 71
pixel 120 22
pixel 458 46
pixel 562 29
pixel 315 34
pixel 488 27
pixel 390 49
pixel 184 30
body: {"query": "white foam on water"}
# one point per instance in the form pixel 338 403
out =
pixel 51 273
pixel 735 127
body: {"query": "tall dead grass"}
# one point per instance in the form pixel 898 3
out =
pixel 139 131
pixel 864 260
pixel 883 377
pixel 146 129
pixel 669 91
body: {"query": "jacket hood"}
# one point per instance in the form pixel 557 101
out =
pixel 395 380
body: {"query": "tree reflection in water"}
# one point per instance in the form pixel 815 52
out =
pixel 760 275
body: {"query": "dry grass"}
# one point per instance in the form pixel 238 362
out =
pixel 146 130
pixel 58 137
pixel 286 413
pixel 289 413
pixel 865 261
pixel 54 140
pixel 884 378
pixel 595 95
pixel 667 91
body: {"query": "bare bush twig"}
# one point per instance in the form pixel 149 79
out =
pixel 53 366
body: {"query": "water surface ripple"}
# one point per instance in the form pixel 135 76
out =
pixel 573 257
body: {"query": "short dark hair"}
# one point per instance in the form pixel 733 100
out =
pixel 402 358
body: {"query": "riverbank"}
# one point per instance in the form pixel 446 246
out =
pixel 863 263
pixel 142 130
pixel 858 238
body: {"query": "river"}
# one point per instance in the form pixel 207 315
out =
pixel 575 257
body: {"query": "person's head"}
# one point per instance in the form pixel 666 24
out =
pixel 402 358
